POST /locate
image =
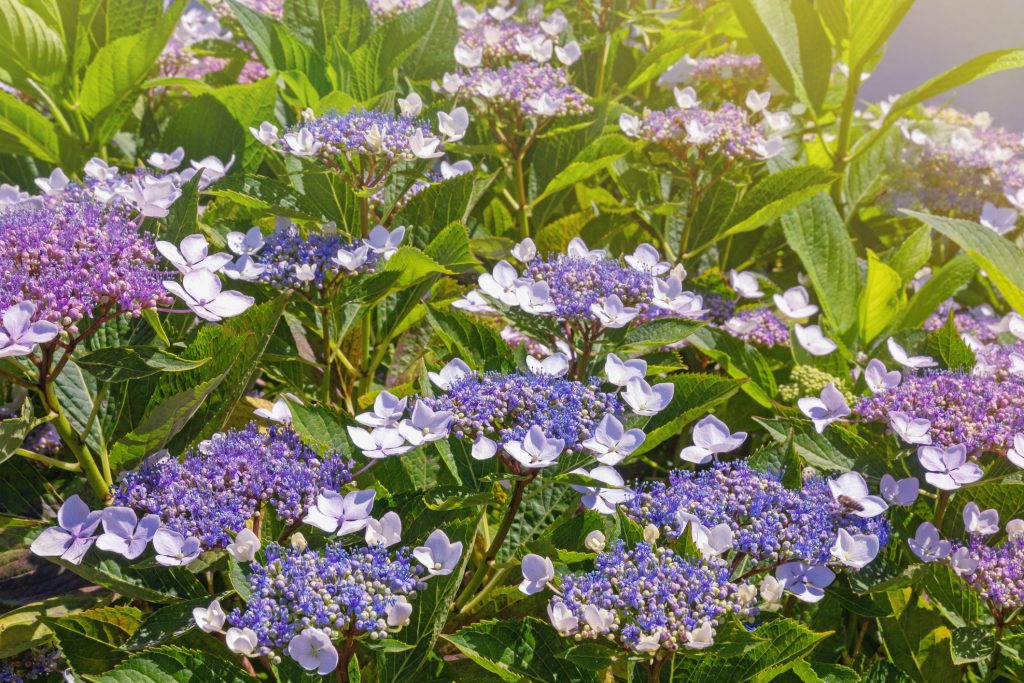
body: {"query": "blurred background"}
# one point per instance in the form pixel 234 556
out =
pixel 937 35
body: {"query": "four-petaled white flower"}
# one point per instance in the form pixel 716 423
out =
pixel 701 637
pixel 241 641
pixel 525 251
pixel 795 303
pixel 981 522
pixel 602 499
pixel 398 613
pixel 746 284
pixel 314 651
pixel 598 619
pixel 100 170
pixel 826 409
pixel 562 618
pixel 411 105
pixel 612 313
pixel 385 531
pixel 266 133
pixel 902 492
pixel 595 541
pixel 201 292
pixel 501 283
pixel 878 378
pixel 451 373
pixel 437 554
pixel 244 269
pixel 425 425
pixel 913 430
pixel 900 355
pixel 805 582
pixel 302 143
pixel 998 219
pixel 385 242
pixel 483 448
pixel 855 550
pixel 453 124
pixel 467 56
pixel 1015 324
pixel 20 335
pixel 73 535
pixel 152 197
pixel 167 161
pixel 698 132
pixel 124 533
pixel 758 101
pixel 245 243
pixel 948 468
pixel 193 254
pixel 387 411
pixel 577 248
pixel 928 545
pixel 611 442
pixel 619 372
pixel 569 53
pixel 535 450
pixel 537 573
pixel 711 437
pixel 545 105
pixel 213 169
pixel 646 259
pixel 245 546
pixel 279 411
pixel 629 124
pixel 1015 453
pixel 343 514
pixel 962 563
pixel 813 340
pixel 210 619
pixel 424 147
pixel 711 542
pixel 686 98
pixel 851 491
pixel 352 259
pixel 173 549
pixel 645 399
pixel 555 365
pixel 535 297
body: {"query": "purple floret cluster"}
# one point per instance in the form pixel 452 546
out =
pixel 770 522
pixel 523 88
pixel 999 576
pixel 287 249
pixel 759 326
pixel 577 283
pixel 32 664
pixel 214 491
pixel 729 73
pixel 377 134
pixel 727 130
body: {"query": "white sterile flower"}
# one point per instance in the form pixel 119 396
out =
pixel 770 148
pixel 1015 324
pixel 74 534
pixel 501 284
pixel 467 56
pixel 382 442
pixel 398 613
pixel 489 87
pixel 1015 527
pixel 902 492
pixel 424 147
pixel 697 132
pixel 813 340
pixel 11 195
pixel 483 448
pixel 535 297
pixel 525 251
pixel 611 313
pixel 577 248
pixel 879 379
pixel 384 242
pixel 629 124
pixel 971 341
pixel 385 531
pixel 899 354
pixel 387 411
pixel 611 442
pixel 1001 220
pixel 279 412
pixel 599 620
pixel 1015 453
pixel 686 98
pixel 193 254
pixel 569 53
pixel 779 121
pixel 545 105
pixel 451 373
pixel 806 582
pixel 678 72
pixel 711 542
pixel 449 171
pixel 758 101
pixel 602 499
pixel 244 269
pixel 981 522
pixel 619 372
pixel 852 492
pixel 302 143
pixel 771 590
pixel 411 105
pixel 649 642
pixel 450 83
pixel 555 365
pixel 737 326
pixel 100 170
pixel 927 544
pixel 746 284
pixel 651 534
pixel 537 48
pixel 124 533
pixel 167 161
pixel 913 430
pixel 453 125
pixel 537 573
pixel 438 554
pixel 595 541
pixel 855 550
pixel 562 618
pixel 266 133
pixel 701 637
pixel 210 619
pixel 201 292
pixel 948 468
pixel 711 437
pixel 554 24
pixel 19 335
pixel 962 563
pixel 795 303
pixel 245 243
pixel 645 399
pixel 245 546
pixel 535 450
pixel 241 641
pixel 173 549
pixel 425 425
pixel 213 169
pixel 826 409
pixel 352 259
pixel 344 514
pixel 313 650
pixel 152 197
pixel 646 259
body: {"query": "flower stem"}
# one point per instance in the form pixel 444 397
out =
pixel 48 461
pixel 70 438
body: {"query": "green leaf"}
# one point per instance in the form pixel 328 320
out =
pixel 912 254
pixel 592 159
pixel 413 265
pixel 659 332
pixel 972 644
pixel 942 285
pixel 775 195
pixel 124 363
pixel 740 360
pixel 14 430
pixel 528 649
pixel 1001 259
pixel 880 300
pixel 477 344
pixel 320 424
pixel 90 640
pixel 173 664
pixel 163 584
pixel 694 396
pixel 26 626
pixel 815 231
pixel 165 623
pixel 916 640
pixel 264 194
pixel 835 450
pixel 23 130
pixel 29 48
pixel 958 604
pixel 792 42
pixel 871 24
pixel 950 347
